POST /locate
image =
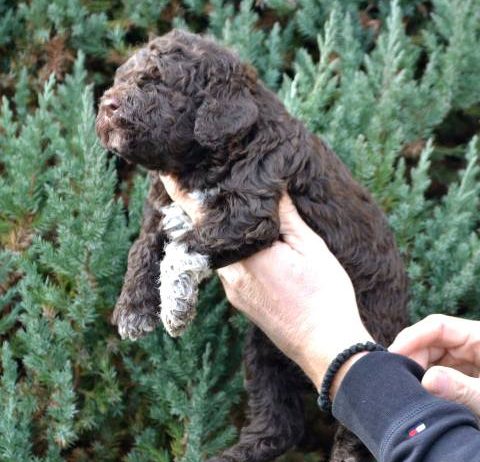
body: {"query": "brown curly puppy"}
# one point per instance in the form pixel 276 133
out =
pixel 186 106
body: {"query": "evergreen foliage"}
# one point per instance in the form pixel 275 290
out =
pixel 392 86
pixel 371 107
pixel 65 374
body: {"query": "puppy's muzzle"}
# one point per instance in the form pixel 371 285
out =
pixel 109 106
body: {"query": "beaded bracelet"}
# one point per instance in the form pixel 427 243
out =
pixel 324 399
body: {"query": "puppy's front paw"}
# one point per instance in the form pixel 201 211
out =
pixel 181 273
pixel 134 324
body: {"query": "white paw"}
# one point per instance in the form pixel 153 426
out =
pixel 180 275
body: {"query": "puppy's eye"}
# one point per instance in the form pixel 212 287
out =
pixel 142 80
pixel 178 50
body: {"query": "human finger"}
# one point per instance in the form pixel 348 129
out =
pixel 186 201
pixel 240 278
pixel 437 335
pixel 451 384
pixel 233 281
pixel 294 231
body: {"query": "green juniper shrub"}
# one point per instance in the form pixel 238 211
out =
pixel 393 87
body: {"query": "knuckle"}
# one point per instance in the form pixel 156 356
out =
pixel 239 281
pixel 435 323
pixel 233 277
pixel 435 319
pixel 463 393
pixel 403 334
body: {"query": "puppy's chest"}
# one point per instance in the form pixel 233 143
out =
pixel 202 196
pixel 175 221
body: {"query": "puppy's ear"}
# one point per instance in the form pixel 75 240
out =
pixel 219 119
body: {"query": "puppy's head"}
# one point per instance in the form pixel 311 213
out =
pixel 175 101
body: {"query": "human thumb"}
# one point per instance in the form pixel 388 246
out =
pixel 451 384
pixel 190 205
pixel 294 231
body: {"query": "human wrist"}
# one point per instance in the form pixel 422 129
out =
pixel 316 359
pixel 345 362
pixel 343 371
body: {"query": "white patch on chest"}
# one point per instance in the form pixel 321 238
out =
pixel 201 195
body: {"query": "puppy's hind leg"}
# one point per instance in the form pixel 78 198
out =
pixel 275 406
pixel 348 448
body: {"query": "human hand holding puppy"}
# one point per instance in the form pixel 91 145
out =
pixel 284 303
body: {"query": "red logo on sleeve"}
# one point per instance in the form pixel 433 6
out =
pixel 416 430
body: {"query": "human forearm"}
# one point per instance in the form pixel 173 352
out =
pixel 381 399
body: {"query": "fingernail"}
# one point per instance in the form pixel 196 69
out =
pixel 439 385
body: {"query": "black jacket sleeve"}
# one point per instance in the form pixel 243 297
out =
pixel 382 401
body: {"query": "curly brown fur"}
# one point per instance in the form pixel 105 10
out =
pixel 186 106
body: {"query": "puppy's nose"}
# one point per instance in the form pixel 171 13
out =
pixel 110 105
